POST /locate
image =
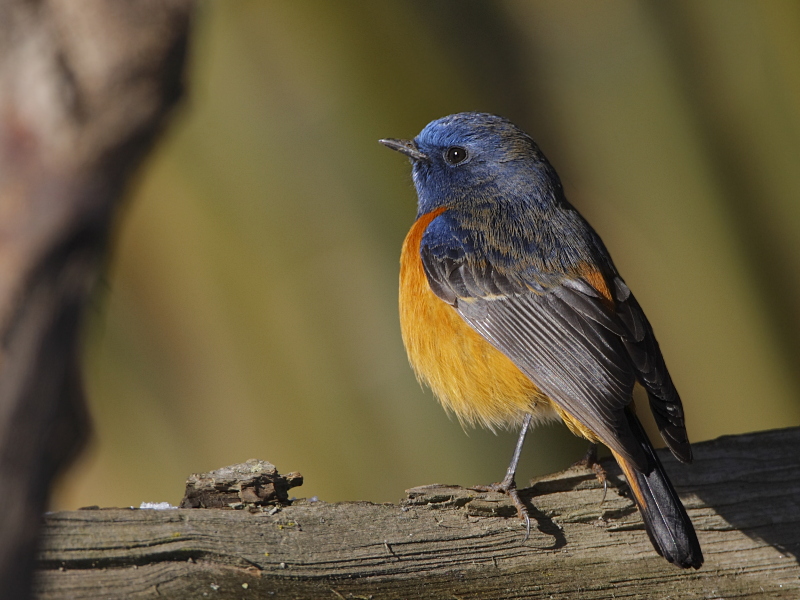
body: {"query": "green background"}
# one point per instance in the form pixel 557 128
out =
pixel 249 305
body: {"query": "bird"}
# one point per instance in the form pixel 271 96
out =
pixel 513 313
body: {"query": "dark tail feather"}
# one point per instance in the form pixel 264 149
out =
pixel 669 527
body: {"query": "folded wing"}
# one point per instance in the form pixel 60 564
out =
pixel 584 350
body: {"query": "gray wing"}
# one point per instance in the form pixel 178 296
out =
pixel 580 353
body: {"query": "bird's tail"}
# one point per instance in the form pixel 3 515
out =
pixel 669 527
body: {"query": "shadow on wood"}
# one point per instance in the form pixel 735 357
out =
pixel 451 542
pixel 752 484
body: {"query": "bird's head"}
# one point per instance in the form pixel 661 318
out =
pixel 477 158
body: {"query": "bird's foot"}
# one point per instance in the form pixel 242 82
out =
pixel 589 461
pixel 509 488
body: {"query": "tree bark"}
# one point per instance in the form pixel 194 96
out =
pixel 85 87
pixel 449 542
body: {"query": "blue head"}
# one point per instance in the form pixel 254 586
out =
pixel 478 159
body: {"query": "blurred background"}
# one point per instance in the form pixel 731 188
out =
pixel 249 305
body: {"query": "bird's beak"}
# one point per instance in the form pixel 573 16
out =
pixel 407 147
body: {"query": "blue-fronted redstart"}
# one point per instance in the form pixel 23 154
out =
pixel 512 312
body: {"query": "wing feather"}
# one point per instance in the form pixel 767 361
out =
pixel 580 347
pixel 585 355
pixel 577 363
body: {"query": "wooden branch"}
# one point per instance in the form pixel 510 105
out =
pixel 447 542
pixel 85 87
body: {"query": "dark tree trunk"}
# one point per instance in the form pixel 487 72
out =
pixel 85 88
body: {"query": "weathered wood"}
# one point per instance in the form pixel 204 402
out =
pixel 85 87
pixel 446 542
pixel 251 483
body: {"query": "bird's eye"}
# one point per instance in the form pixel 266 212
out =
pixel 455 155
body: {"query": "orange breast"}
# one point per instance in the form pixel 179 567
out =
pixel 468 375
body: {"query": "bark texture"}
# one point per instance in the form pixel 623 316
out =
pixel 85 87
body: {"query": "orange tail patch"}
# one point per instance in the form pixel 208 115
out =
pixel 630 476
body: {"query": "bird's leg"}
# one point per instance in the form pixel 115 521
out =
pixel 509 486
pixel 590 461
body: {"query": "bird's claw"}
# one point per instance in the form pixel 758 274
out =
pixel 602 477
pixel 509 488
pixel 590 461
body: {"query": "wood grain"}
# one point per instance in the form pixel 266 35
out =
pixel 448 542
